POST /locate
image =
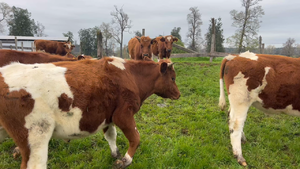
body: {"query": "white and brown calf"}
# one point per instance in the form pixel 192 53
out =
pixel 267 82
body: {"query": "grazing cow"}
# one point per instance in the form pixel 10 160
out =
pixel 54 47
pixel 40 101
pixel 140 47
pixel 8 56
pixel 163 46
pixel 268 82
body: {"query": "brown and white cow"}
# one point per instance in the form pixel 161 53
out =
pixel 140 47
pixel 40 101
pixel 54 47
pixel 8 56
pixel 163 46
pixel 267 82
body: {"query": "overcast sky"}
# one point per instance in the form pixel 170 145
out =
pixel 280 22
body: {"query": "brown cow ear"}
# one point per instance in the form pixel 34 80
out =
pixel 162 39
pixel 163 67
pixel 175 39
pixel 80 57
pixel 153 41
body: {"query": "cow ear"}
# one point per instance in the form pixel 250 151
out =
pixel 80 57
pixel 162 39
pixel 175 39
pixel 138 38
pixel 163 67
pixel 153 41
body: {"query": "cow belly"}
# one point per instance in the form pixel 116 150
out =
pixel 288 110
pixel 67 125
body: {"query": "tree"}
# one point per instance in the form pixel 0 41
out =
pixel 108 40
pixel 138 33
pixel 20 23
pixel 288 47
pixel 40 28
pixel 218 37
pixel 270 49
pixel 175 32
pixel 248 24
pixel 88 41
pixel 6 13
pixel 194 31
pixel 122 23
pixel 70 35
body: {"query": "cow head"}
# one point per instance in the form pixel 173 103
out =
pixel 169 42
pixel 166 86
pixel 145 46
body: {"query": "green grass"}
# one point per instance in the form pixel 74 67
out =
pixel 189 133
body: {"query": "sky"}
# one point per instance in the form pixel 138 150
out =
pixel 159 17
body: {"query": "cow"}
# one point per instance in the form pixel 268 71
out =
pixel 54 47
pixel 267 82
pixel 71 100
pixel 82 56
pixel 163 46
pixel 8 56
pixel 140 48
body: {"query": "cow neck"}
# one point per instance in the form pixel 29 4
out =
pixel 145 73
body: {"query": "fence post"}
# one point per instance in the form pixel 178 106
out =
pixel 143 32
pixel 32 47
pixel 260 45
pixel 22 46
pixel 262 48
pixel 213 38
pixel 99 45
pixel 0 44
pixel 16 43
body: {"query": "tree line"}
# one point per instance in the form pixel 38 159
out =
pixel 247 21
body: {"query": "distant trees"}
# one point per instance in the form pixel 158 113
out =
pixel 218 37
pixel 248 24
pixel 70 35
pixel 107 38
pixel 138 33
pixel 176 32
pixel 6 13
pixel 122 23
pixel 40 30
pixel 194 30
pixel 88 41
pixel 288 47
pixel 270 49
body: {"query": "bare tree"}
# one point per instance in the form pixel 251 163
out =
pixel 248 24
pixel 40 30
pixel 288 47
pixel 122 23
pixel 194 31
pixel 6 14
pixel 107 34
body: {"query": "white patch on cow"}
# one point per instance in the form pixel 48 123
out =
pixel 240 100
pixel 46 83
pixel 249 55
pixel 128 159
pixel 169 38
pixel 230 57
pixel 118 62
pixel 69 45
pixel 111 136
pixel 3 134
pixel 270 111
pixel 222 101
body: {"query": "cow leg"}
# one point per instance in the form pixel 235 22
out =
pixel 125 121
pixel 110 134
pixel 238 115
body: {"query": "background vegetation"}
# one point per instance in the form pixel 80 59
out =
pixel 189 133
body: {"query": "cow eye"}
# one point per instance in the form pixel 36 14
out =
pixel 173 78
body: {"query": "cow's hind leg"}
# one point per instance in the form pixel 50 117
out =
pixel 110 134
pixel 237 118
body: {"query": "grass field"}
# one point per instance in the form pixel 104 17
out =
pixel 189 133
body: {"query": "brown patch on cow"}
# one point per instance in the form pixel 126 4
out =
pixel 64 102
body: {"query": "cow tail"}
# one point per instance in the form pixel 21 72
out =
pixel 222 101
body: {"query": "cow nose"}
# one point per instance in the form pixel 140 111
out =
pixel 146 54
pixel 169 50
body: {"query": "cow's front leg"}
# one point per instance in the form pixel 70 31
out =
pixel 110 134
pixel 127 124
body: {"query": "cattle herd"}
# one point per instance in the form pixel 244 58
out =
pixel 52 94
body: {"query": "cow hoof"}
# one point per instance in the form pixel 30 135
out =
pixel 242 162
pixel 116 155
pixel 16 153
pixel 118 165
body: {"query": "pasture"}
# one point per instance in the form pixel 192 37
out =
pixel 189 133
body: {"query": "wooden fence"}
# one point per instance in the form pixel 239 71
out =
pixel 15 45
